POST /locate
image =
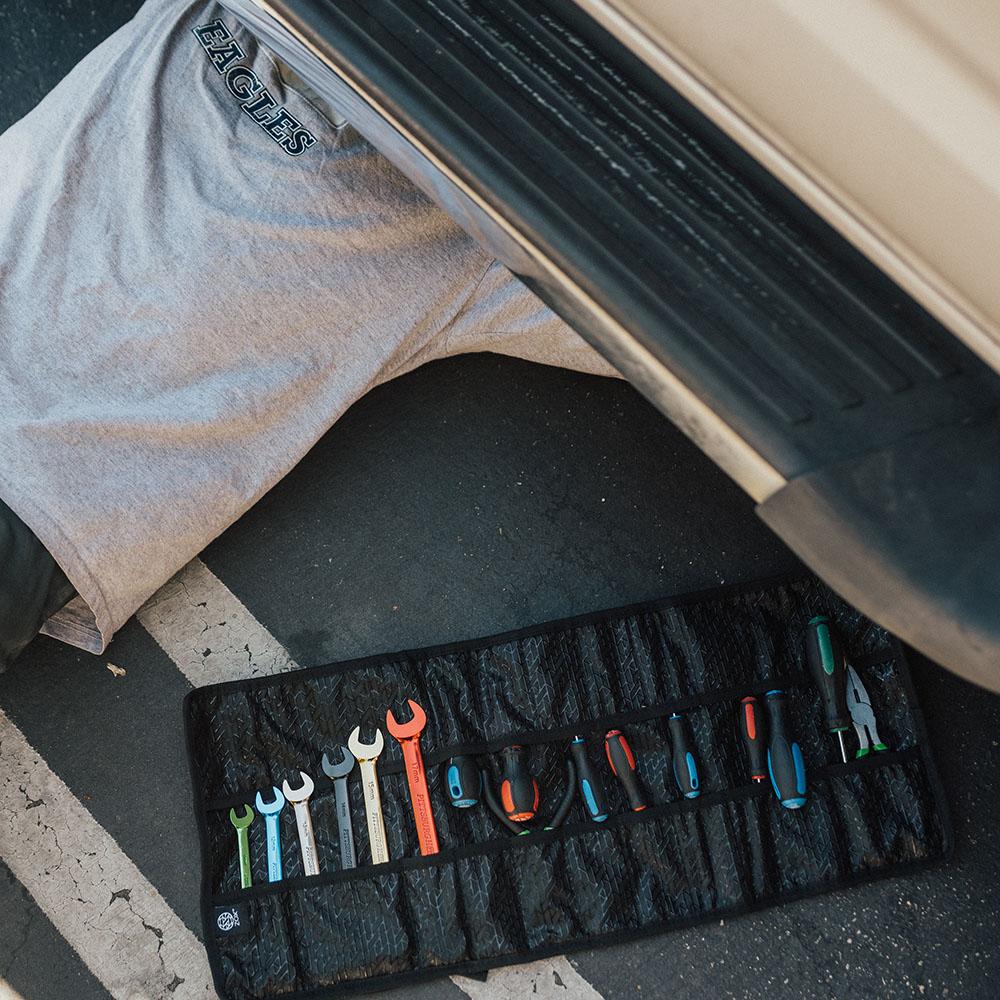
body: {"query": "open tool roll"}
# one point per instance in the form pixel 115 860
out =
pixel 489 897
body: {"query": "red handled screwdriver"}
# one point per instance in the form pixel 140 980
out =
pixel 622 762
pixel 518 789
pixel 751 721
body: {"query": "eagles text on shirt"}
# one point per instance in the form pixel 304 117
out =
pixel 244 84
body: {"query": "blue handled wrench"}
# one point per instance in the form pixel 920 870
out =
pixel 270 811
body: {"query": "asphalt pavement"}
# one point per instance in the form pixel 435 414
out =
pixel 476 495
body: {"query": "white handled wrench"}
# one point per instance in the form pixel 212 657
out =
pixel 299 798
pixel 367 757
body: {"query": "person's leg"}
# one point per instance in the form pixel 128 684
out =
pixel 504 316
pixel 32 586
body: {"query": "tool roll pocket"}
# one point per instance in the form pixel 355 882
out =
pixel 489 897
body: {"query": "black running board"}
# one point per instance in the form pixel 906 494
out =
pixel 867 432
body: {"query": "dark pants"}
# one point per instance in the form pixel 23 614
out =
pixel 32 586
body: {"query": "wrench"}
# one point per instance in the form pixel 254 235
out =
pixel 243 841
pixel 299 798
pixel 339 773
pixel 367 756
pixel 408 735
pixel 270 812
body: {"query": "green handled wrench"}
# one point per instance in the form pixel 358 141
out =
pixel 243 840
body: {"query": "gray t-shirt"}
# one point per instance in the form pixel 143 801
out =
pixel 201 268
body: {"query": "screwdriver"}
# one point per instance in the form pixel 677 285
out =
pixel 494 807
pixel 518 789
pixel 622 762
pixel 825 657
pixel 463 781
pixel 591 790
pixel 685 764
pixel 784 757
pixel 751 722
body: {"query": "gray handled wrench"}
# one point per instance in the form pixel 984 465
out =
pixel 243 842
pixel 367 755
pixel 270 812
pixel 299 798
pixel 339 773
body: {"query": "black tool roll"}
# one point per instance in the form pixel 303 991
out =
pixel 489 897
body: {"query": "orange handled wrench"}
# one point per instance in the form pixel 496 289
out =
pixel 408 736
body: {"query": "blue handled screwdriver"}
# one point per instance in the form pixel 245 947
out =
pixel 785 763
pixel 685 763
pixel 591 790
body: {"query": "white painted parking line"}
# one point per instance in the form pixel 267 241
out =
pixel 550 979
pixel 211 636
pixel 115 920
pixel 7 992
pixel 207 632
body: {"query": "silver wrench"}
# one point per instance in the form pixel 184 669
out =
pixel 299 798
pixel 270 811
pixel 367 756
pixel 339 773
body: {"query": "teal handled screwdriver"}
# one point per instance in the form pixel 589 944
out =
pixel 684 762
pixel 785 763
pixel 825 656
pixel 591 789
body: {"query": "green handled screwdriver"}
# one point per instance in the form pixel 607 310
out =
pixel 825 656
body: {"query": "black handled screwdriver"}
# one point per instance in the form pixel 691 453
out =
pixel 685 762
pixel 784 757
pixel 751 723
pixel 591 790
pixel 825 656
pixel 622 762
pixel 518 789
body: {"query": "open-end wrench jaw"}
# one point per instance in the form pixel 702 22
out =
pixel 274 806
pixel 341 770
pixel 407 730
pixel 241 822
pixel 301 793
pixel 365 751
